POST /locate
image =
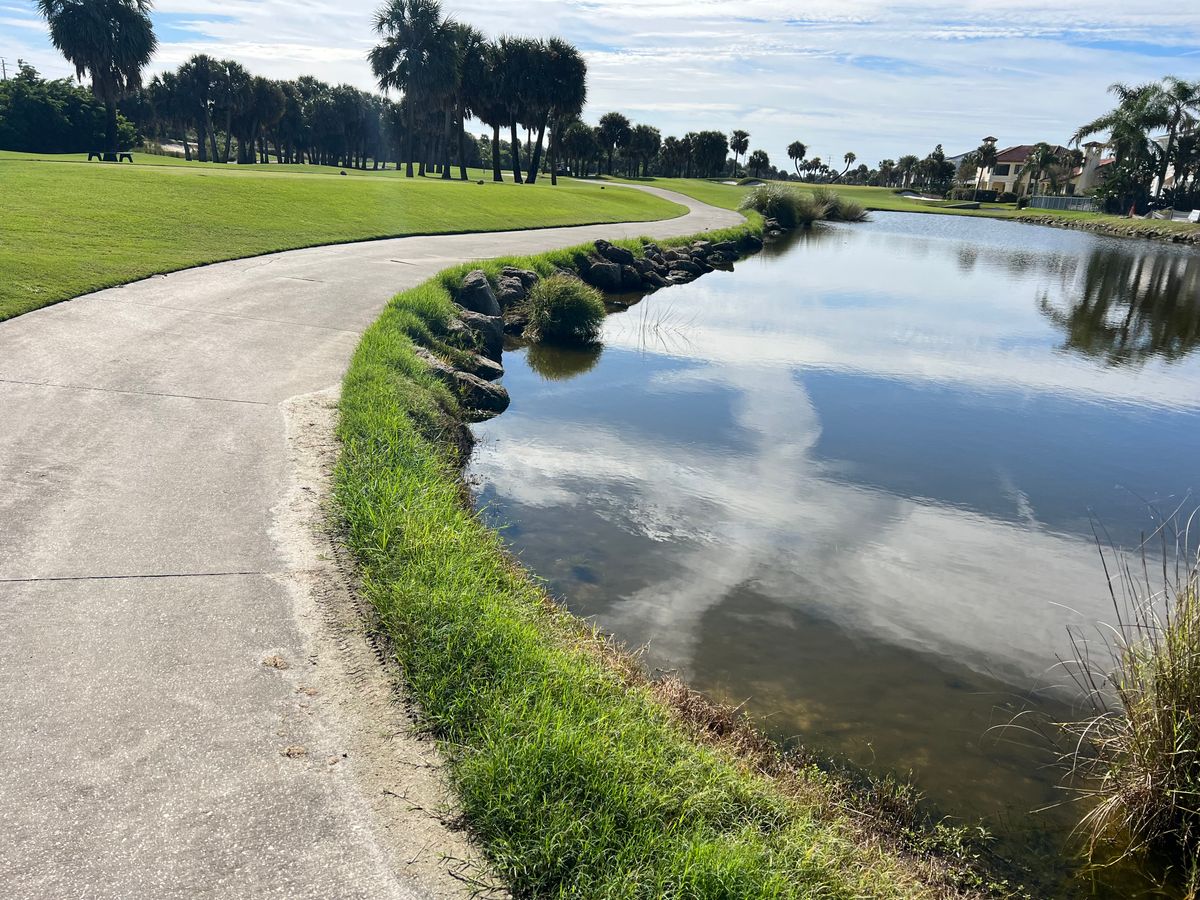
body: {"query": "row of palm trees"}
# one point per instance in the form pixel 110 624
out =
pixel 510 83
pixel 1168 109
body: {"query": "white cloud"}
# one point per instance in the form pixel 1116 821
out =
pixel 878 78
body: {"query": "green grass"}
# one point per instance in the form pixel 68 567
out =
pixel 574 774
pixel 69 227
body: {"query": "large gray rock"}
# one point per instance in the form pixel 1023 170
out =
pixel 653 280
pixel 729 248
pixel 477 296
pixel 482 367
pixel 475 393
pixel 525 276
pixel 481 396
pixel 618 255
pixel 752 243
pixel 687 265
pixel 631 279
pixel 488 332
pixel 681 276
pixel 515 321
pixel 604 275
pixel 510 291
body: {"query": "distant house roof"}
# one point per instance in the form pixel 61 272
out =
pixel 1020 153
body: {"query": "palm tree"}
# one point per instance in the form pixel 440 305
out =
pixel 470 81
pixel 985 158
pixel 517 59
pixel 486 101
pixel 1138 112
pixel 1040 158
pixel 907 168
pixel 887 169
pixel 614 133
pixel 739 143
pixel 1181 99
pixel 110 40
pixel 758 161
pixel 644 144
pixel 565 74
pixel 796 152
pixel 849 160
pixel 412 31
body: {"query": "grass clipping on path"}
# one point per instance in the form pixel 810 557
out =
pixel 579 778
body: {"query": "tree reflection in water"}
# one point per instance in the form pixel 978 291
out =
pixel 1127 309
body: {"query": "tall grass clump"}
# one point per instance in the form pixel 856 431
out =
pixel 786 205
pixel 562 309
pixel 1138 755
pixel 839 208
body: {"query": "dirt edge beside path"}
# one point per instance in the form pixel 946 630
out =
pixel 352 687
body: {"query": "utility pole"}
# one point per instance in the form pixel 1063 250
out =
pixel 3 69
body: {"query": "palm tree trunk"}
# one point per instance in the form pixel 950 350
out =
pixel 212 136
pixel 448 127
pixel 516 152
pixel 462 146
pixel 408 140
pixel 1166 161
pixel 554 154
pixel 537 153
pixel 110 129
pixel 496 176
pixel 202 141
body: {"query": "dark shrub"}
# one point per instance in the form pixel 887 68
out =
pixel 1006 197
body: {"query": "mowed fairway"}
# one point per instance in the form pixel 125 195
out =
pixel 69 227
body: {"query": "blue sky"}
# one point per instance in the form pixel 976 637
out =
pixel 874 77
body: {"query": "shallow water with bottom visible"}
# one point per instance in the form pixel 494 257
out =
pixel 855 484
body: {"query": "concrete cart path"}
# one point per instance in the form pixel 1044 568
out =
pixel 145 749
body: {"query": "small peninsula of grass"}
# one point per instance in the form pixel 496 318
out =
pixel 70 227
pixel 579 777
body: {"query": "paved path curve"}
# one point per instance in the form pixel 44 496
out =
pixel 143 463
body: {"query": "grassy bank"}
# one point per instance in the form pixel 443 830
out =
pixel 70 227
pixel 580 778
pixel 886 199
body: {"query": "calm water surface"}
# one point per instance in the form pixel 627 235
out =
pixel 853 483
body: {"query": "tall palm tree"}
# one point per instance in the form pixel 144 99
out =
pixel 110 40
pixel 1139 111
pixel 412 32
pixel 614 133
pixel 1040 158
pixel 470 75
pixel 985 158
pixel 849 159
pixel 1181 100
pixel 567 73
pixel 758 161
pixel 796 152
pixel 739 143
pixel 485 99
pixel 906 166
pixel 518 60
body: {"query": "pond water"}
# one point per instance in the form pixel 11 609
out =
pixel 854 484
